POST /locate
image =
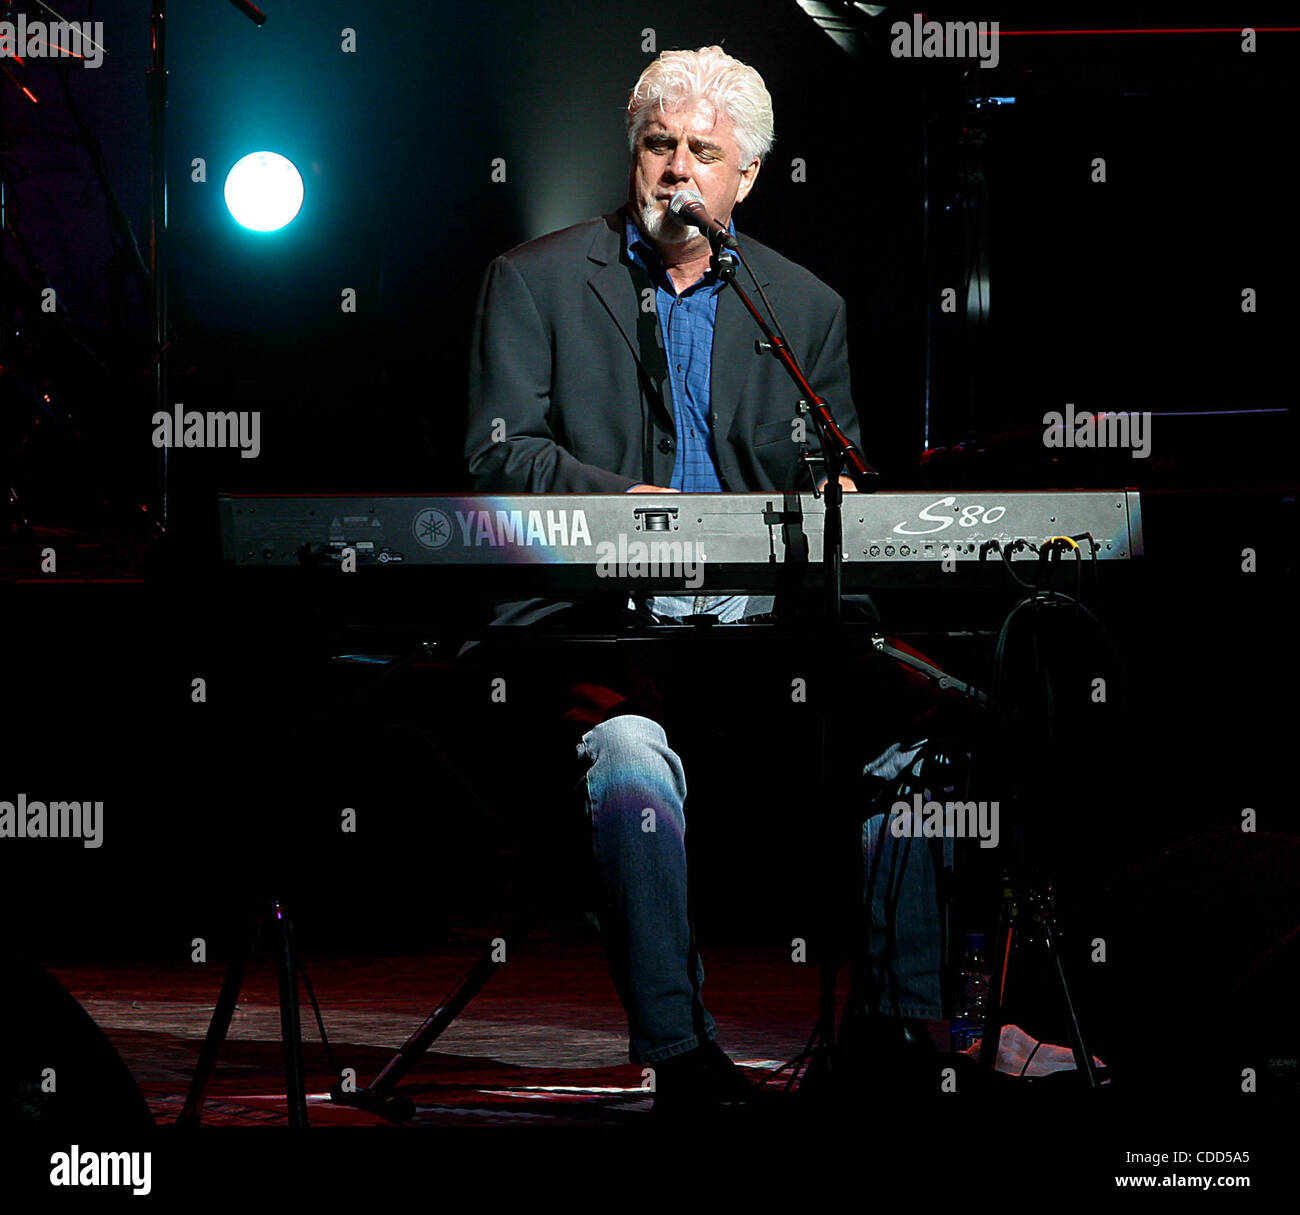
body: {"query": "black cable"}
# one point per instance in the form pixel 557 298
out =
pixel 1042 673
pixel 1006 561
pixel 796 1063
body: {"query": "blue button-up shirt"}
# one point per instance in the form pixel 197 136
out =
pixel 687 322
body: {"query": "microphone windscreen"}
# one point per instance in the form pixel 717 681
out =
pixel 681 199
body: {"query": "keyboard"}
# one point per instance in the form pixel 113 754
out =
pixel 740 542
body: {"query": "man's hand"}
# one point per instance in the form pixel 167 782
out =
pixel 652 489
pixel 845 482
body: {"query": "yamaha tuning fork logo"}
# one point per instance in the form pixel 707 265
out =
pixel 432 528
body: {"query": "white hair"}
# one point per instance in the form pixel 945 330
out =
pixel 680 79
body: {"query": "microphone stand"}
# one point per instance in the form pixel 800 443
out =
pixel 839 455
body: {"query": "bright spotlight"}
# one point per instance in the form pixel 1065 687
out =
pixel 263 191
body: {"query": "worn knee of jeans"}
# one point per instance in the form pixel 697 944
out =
pixel 635 776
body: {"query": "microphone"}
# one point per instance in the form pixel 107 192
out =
pixel 688 208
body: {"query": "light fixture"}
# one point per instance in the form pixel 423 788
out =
pixel 264 191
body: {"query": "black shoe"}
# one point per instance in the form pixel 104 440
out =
pixel 892 1056
pixel 701 1082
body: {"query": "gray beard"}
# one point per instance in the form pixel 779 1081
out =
pixel 664 227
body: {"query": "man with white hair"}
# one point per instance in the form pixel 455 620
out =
pixel 608 357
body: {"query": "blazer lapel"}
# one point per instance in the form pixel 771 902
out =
pixel 618 286
pixel 734 359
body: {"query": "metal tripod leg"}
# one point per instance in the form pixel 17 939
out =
pixel 378 1096
pixel 1040 916
pixel 286 965
pixel 290 1026
pixel 1082 1055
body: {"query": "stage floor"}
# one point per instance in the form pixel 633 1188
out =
pixel 545 1043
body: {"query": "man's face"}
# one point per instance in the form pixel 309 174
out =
pixel 687 149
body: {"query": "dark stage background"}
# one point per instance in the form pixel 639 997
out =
pixel 1122 295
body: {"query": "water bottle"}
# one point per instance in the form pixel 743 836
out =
pixel 972 995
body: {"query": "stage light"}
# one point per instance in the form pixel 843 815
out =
pixel 263 191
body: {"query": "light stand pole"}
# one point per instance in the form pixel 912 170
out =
pixel 157 89
pixel 156 78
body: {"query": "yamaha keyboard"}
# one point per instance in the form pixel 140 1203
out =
pixel 515 544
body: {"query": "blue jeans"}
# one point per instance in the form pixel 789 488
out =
pixel 901 973
pixel 635 789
